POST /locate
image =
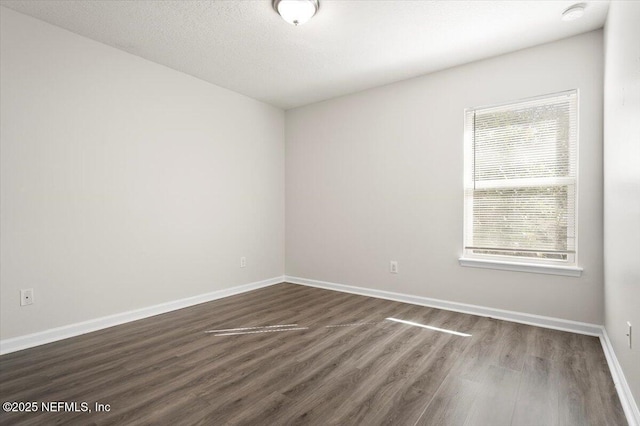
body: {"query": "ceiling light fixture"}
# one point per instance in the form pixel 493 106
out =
pixel 296 12
pixel 573 12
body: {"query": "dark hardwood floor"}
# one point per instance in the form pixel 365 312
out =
pixel 342 363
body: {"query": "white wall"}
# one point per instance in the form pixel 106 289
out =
pixel 124 183
pixel 622 184
pixel 377 176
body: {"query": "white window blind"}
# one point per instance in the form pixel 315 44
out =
pixel 521 180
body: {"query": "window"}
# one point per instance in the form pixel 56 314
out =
pixel 521 185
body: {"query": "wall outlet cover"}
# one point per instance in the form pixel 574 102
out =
pixel 26 296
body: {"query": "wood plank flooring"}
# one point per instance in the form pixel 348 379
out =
pixel 342 363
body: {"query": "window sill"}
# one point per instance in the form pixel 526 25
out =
pixel 568 271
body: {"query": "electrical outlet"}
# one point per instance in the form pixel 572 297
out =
pixel 629 335
pixel 243 262
pixel 26 296
pixel 393 266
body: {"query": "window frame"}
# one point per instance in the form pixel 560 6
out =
pixel 568 267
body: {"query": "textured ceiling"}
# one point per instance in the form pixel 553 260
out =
pixel 350 45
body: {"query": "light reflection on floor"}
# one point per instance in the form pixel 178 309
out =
pixel 443 330
pixel 273 330
pixel 292 327
pixel 251 328
pixel 355 324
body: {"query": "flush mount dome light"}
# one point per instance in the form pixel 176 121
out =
pixel 574 12
pixel 296 12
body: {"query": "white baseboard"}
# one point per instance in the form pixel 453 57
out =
pixel 519 317
pixel 71 330
pixel 624 392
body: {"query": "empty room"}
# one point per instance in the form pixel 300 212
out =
pixel 320 212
